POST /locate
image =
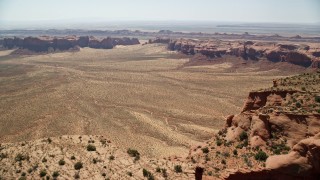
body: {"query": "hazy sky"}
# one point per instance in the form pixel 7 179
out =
pixel 291 11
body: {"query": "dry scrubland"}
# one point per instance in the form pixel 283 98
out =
pixel 141 97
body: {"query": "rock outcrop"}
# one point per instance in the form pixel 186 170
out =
pixel 276 135
pixel 291 53
pixel 45 43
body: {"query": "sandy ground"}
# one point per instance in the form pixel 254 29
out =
pixel 142 97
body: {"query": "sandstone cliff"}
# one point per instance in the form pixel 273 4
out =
pixel 298 54
pixel 46 43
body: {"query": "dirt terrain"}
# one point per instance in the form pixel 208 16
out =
pixel 142 97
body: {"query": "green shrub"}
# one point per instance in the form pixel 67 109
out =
pixel 223 161
pixel 76 175
pixel 164 172
pixel 147 174
pixel 44 160
pixel 78 165
pixel 219 142
pixel 3 156
pixel 261 156
pixel 235 152
pixel 73 158
pixel 158 169
pixel 111 157
pixel 226 154
pixel 317 99
pixel 205 150
pixel 30 170
pixel 55 174
pixel 133 152
pixel 62 162
pixel 94 160
pixel 298 104
pixel 43 173
pixel 20 157
pixel 91 147
pixel 243 136
pixel 129 174
pixel 178 168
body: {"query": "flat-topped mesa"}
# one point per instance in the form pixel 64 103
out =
pixel 46 43
pixel 298 54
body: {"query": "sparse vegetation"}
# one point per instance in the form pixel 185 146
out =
pixel 91 147
pixel 20 157
pixel 243 136
pixel 111 157
pixel 261 156
pixel 55 174
pixel 61 162
pixel 178 168
pixel 147 174
pixel 78 166
pixel 43 173
pixel 235 152
pixel 219 142
pixel 205 150
pixel 134 153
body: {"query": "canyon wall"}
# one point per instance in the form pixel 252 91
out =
pixel 46 43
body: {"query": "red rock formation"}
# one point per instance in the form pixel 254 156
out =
pixel 8 43
pixel 295 54
pixel 83 41
pixel 159 40
pixel 303 161
pixel 44 44
pixel 64 43
pixel 106 43
pixel 298 59
pixel 257 100
pixel 38 44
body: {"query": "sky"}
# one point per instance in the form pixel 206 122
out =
pixel 279 11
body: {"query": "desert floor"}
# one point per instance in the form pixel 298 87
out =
pixel 141 97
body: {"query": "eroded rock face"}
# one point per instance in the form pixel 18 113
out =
pixel 83 41
pixel 43 44
pixel 64 44
pixel 303 161
pixel 37 44
pixel 300 131
pixel 8 43
pixel 298 59
pixel 248 50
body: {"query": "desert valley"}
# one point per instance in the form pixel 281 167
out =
pixel 178 102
